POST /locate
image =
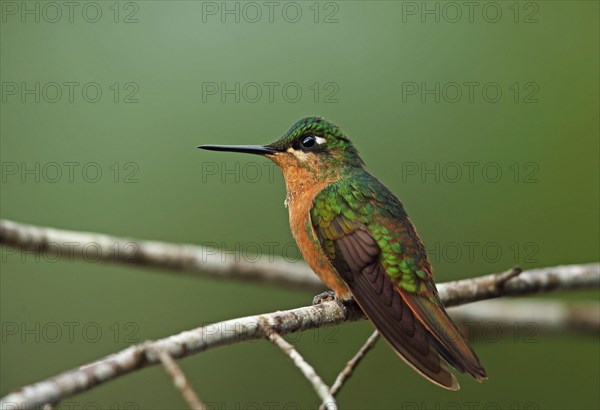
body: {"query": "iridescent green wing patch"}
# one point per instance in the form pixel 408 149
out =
pixel 360 202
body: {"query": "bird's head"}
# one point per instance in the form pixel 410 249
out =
pixel 312 146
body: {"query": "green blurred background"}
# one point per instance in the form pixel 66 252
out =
pixel 164 69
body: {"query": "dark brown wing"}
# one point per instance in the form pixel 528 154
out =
pixel 367 237
pixel 357 261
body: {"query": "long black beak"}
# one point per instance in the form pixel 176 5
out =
pixel 248 149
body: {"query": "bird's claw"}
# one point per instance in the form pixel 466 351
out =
pixel 327 296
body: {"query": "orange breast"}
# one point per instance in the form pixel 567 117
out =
pixel 299 200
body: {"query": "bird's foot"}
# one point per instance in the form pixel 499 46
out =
pixel 327 296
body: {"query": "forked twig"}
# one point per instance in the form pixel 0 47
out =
pixel 179 379
pixel 352 363
pixel 307 370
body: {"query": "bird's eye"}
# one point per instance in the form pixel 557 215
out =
pixel 308 142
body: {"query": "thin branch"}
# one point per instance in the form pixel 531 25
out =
pixel 501 278
pixel 352 363
pixel 296 320
pixel 204 261
pixel 307 370
pixel 540 280
pixel 179 380
pixel 538 315
pixel 191 259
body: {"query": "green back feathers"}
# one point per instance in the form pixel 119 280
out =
pixel 359 201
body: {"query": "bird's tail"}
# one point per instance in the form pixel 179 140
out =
pixel 419 330
pixel 445 335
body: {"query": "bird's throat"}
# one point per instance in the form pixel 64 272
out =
pixel 304 179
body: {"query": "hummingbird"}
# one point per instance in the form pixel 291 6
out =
pixel 355 235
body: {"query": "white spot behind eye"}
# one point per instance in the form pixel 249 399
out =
pixel 320 140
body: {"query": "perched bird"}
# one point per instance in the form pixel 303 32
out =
pixel 355 234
